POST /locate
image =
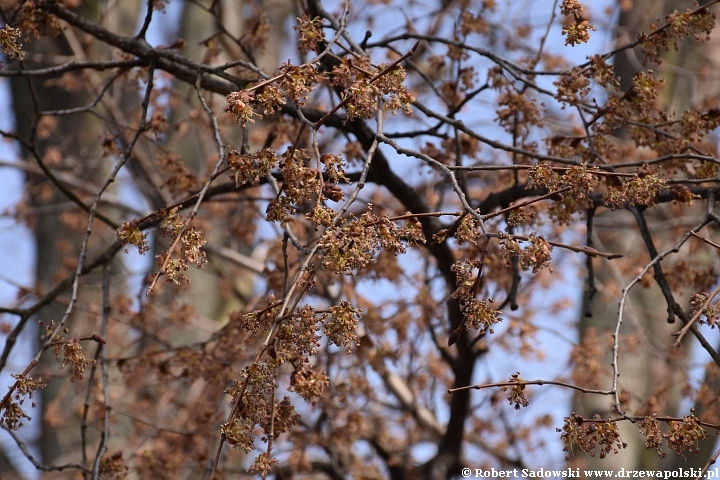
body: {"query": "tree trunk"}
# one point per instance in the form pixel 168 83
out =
pixel 687 86
pixel 57 242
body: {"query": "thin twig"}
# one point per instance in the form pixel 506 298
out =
pixel 623 300
pixel 531 382
pixel 105 433
pixel 45 468
pixel 526 203
pixel 573 248
pixel 708 241
pixel 72 66
pixel 147 20
pixel 705 468
pixel 153 425
pixel 681 333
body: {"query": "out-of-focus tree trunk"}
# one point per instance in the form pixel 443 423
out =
pixel 199 28
pixel 7 468
pixel 692 82
pixel 688 85
pixel 55 241
pixel 61 434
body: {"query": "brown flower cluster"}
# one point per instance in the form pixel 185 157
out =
pixel 12 411
pixel 353 244
pixel 585 436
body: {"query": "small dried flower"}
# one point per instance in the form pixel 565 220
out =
pixel 239 106
pixel 72 353
pixel 340 329
pixel 129 233
pixel 310 31
pixel 114 466
pixel 332 192
pixel 8 42
pixel 537 255
pixel 685 435
pixel 517 393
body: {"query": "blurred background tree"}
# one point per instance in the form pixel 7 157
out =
pixel 651 375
